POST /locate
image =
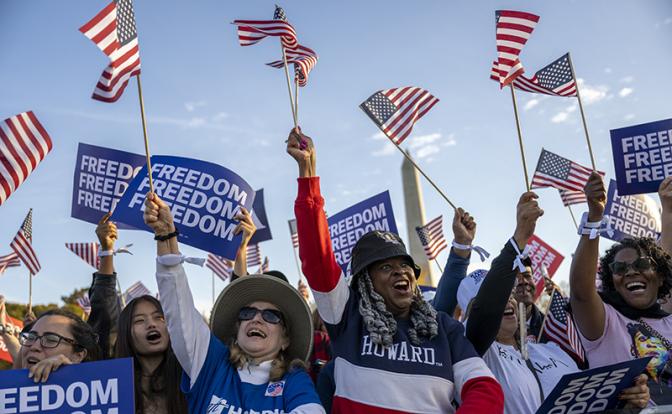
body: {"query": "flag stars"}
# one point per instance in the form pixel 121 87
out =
pixel 554 165
pixel 125 22
pixel 380 107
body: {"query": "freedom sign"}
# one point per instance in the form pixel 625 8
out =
pixel 594 390
pixel 14 325
pixel 542 254
pixel 101 177
pixel 260 220
pixel 203 197
pixel 631 216
pixel 103 387
pixel 347 226
pixel 642 156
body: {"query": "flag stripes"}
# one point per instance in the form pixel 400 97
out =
pixel 525 84
pixel 558 172
pixel 87 252
pixel 253 255
pixel 136 290
pixel 560 327
pixel 513 29
pixel 23 145
pixel 265 266
pixel 304 60
pixel 84 303
pixel 431 237
pixel 572 197
pixel 251 32
pixel 396 110
pixel 22 244
pixel 9 260
pixel 293 233
pixel 220 266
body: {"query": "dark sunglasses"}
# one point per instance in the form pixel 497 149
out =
pixel 269 315
pixel 641 264
pixel 48 340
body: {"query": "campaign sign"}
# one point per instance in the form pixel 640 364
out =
pixel 347 226
pixel 542 254
pixel 203 197
pixel 594 390
pixel 642 156
pixel 260 219
pixel 631 216
pixel 12 324
pixel 101 177
pixel 102 387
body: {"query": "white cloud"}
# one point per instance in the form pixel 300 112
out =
pixel 378 136
pixel 607 70
pixel 627 79
pixel 625 92
pixel 450 141
pixel 531 104
pixel 220 116
pixel 629 117
pixel 419 141
pixel 428 150
pixel 192 106
pixel 591 94
pixel 388 149
pixel 563 115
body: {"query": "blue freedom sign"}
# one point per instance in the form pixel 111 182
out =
pixel 203 197
pixel 101 177
pixel 631 216
pixel 102 387
pixel 260 219
pixel 642 156
pixel 594 390
pixel 347 226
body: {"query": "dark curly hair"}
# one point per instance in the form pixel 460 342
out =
pixel 644 246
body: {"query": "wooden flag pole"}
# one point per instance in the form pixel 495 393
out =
pixel 289 88
pixel 439 266
pixel 296 98
pixel 425 175
pixel 548 308
pixel 520 137
pixel 30 292
pixel 298 267
pixel 573 218
pixel 583 116
pixel 522 323
pixel 144 132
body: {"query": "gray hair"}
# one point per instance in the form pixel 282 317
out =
pixel 381 323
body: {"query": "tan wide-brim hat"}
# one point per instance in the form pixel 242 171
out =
pixel 288 300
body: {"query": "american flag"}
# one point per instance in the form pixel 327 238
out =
pixel 561 173
pixel 560 327
pixel 513 29
pixel 431 237
pixel 85 304
pixel 23 144
pixel 220 266
pixel 265 266
pixel 22 244
pixel 86 251
pixel 304 60
pixel 9 260
pixel 136 290
pixel 294 234
pixel 113 31
pixel 396 110
pixel 253 31
pixel 555 79
pixel 253 255
pixel 572 197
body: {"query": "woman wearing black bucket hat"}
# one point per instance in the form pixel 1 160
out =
pixel 393 352
pixel 261 334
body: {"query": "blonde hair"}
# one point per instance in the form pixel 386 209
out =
pixel 279 366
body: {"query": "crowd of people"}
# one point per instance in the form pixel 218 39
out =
pixel 373 344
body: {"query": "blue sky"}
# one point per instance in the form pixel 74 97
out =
pixel 210 99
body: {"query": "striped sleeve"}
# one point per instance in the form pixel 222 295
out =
pixel 317 257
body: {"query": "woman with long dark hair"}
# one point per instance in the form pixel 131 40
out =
pixel 143 336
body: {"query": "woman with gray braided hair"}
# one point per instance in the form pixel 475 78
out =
pixel 393 353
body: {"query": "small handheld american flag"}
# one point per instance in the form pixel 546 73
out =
pixel 396 110
pixel 265 266
pixel 561 173
pixel 22 244
pixel 253 255
pixel 136 290
pixel 513 29
pixel 220 266
pixel 113 31
pixel 560 328
pixel 251 32
pixel 304 60
pixel 555 79
pixel 294 234
pixel 431 237
pixel 9 260
pixel 85 304
pixel 572 197
pixel 86 251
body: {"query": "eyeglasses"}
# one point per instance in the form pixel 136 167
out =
pixel 641 264
pixel 269 315
pixel 48 340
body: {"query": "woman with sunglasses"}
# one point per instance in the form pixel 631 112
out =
pixel 624 321
pixel 58 337
pixel 254 358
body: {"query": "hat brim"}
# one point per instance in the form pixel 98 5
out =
pixel 253 288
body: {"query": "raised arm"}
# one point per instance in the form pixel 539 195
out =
pixel 488 307
pixel 464 232
pixel 247 227
pixel 189 334
pixel 665 194
pixel 587 306
pixel 317 257
pixel 105 306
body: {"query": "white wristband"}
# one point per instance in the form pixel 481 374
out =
pixel 482 253
pixel 593 229
pixel 124 249
pixel 102 253
pixel 518 261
